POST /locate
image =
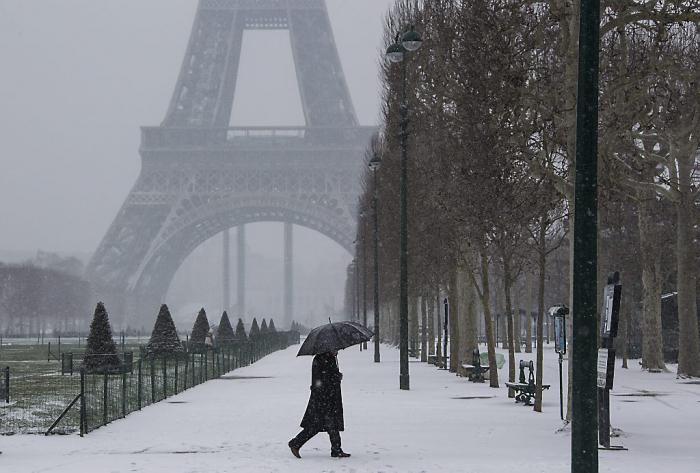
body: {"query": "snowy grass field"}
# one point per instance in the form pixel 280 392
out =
pixel 38 390
pixel 243 421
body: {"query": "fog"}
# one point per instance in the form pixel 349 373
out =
pixel 79 77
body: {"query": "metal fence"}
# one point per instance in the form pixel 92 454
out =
pixel 85 401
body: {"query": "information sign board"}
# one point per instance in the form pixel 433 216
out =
pixel 560 335
pixel 606 368
pixel 611 310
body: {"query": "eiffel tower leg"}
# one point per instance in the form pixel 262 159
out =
pixel 240 280
pixel 288 274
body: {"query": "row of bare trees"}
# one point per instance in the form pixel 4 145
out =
pixel 492 96
pixel 38 300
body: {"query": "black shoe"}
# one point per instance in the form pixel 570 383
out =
pixel 295 450
pixel 340 454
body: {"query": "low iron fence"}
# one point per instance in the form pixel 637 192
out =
pixel 84 401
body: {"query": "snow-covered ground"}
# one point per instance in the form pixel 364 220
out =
pixel 444 424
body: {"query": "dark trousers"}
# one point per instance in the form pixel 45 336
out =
pixel 307 434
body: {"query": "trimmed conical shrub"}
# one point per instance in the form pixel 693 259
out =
pixel 240 330
pixel 200 330
pixel 271 327
pixel 263 327
pixel 164 339
pixel 101 351
pixel 254 329
pixel 225 333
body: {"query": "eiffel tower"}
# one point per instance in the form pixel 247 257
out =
pixel 200 177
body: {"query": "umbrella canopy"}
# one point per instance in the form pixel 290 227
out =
pixel 333 337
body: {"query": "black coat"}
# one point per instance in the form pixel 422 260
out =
pixel 324 412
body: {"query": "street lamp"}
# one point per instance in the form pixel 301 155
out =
pixel 374 165
pixel 353 291
pixel 407 42
pixel 584 425
pixel 363 248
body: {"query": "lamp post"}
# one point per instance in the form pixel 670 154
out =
pixel 374 164
pixel 356 295
pixel 584 425
pixel 352 270
pixel 364 274
pixel 408 42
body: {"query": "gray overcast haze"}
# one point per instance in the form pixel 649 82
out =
pixel 79 77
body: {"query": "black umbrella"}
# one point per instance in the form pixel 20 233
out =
pixel 333 337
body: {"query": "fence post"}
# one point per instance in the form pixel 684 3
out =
pixel 124 392
pixel 206 365
pixel 83 417
pixel 7 384
pixel 165 377
pixel 139 385
pixel 176 365
pixel 104 400
pixel 187 364
pixel 153 381
pixel 192 370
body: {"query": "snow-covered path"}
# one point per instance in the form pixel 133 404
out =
pixel 242 423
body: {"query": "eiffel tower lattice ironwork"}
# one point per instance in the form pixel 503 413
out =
pixel 200 177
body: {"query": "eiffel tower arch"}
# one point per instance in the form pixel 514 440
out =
pixel 199 176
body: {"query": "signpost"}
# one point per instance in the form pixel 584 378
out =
pixel 559 313
pixel 610 316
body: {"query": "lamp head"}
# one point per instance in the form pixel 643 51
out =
pixel 375 163
pixel 395 52
pixel 411 40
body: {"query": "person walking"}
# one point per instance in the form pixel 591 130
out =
pixel 324 412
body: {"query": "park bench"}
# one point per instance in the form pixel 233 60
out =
pixel 475 371
pixel 436 360
pixel 525 389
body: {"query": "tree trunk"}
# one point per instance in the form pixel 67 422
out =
pixel 542 260
pixel 688 339
pixel 424 330
pixel 439 325
pixel 454 323
pixel 431 326
pixel 509 318
pixel 623 332
pixel 528 311
pixel 517 318
pixel 488 320
pixel 652 347
pixel 467 313
pixel 413 325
